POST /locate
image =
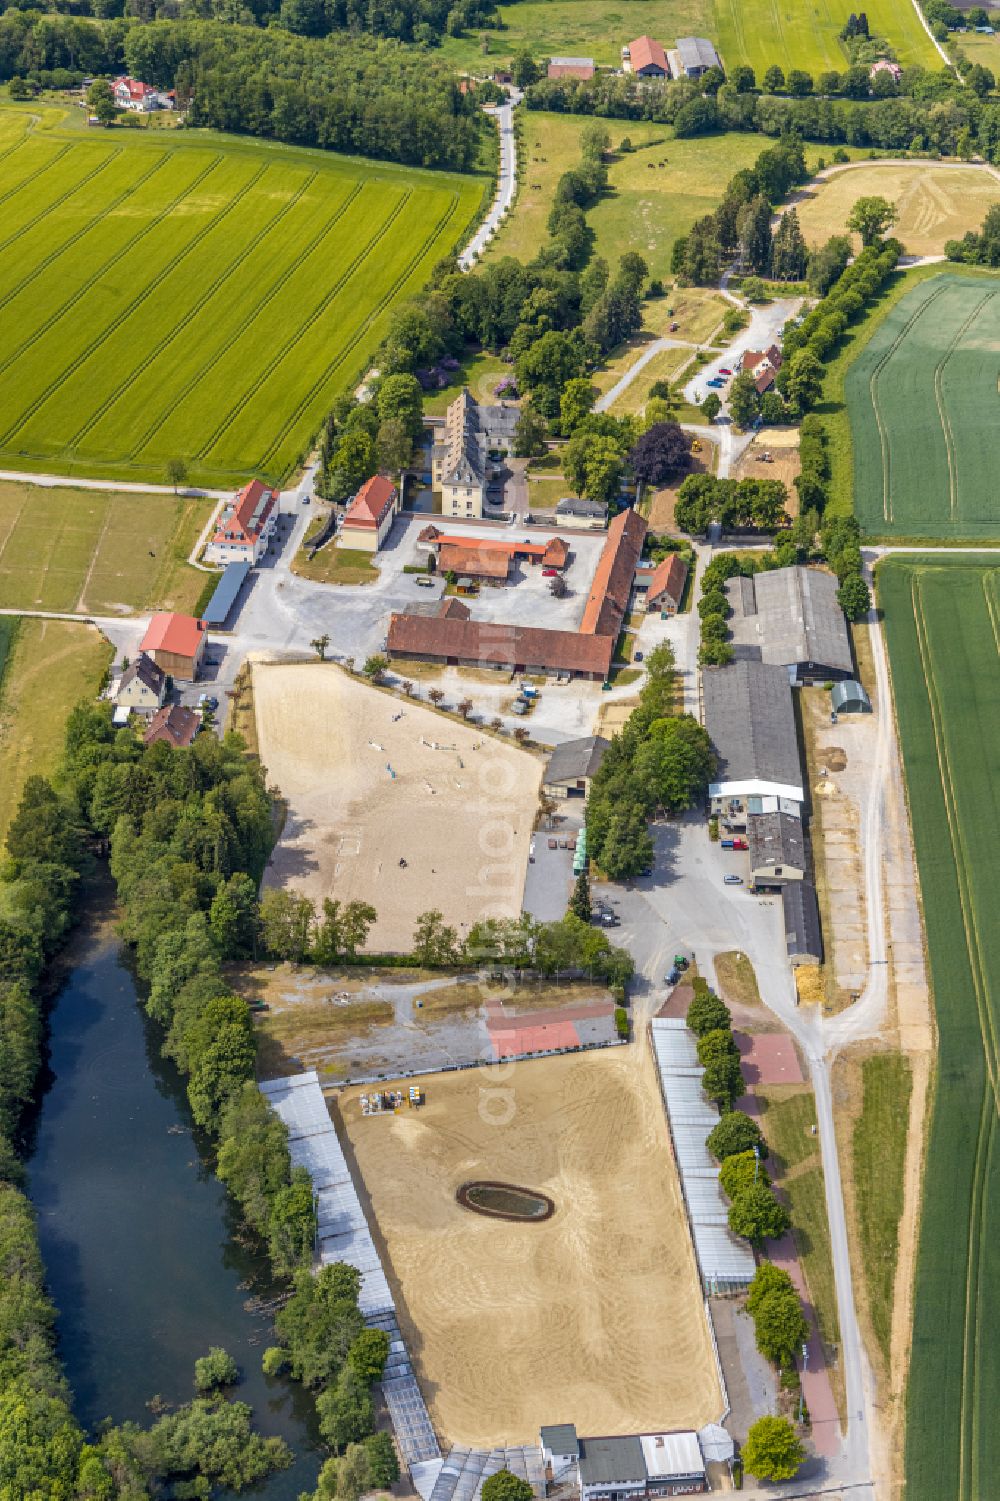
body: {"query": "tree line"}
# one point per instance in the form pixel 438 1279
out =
pixel 659 760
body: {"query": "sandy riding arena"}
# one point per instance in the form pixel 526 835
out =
pixel 371 781
pixel 593 1316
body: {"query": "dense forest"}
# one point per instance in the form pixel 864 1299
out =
pixel 357 93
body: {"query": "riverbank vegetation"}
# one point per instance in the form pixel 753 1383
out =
pixel 189 833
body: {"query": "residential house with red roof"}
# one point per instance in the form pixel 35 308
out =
pixel 176 643
pixel 666 585
pixel 140 98
pixel 645 58
pixel 369 517
pixel 245 525
pixel 763 365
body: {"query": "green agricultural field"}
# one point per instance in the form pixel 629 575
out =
pixel 921 397
pixel 98 551
pixel 196 296
pixel 942 621
pixel 760 32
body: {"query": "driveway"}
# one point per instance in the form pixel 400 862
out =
pixel 506 180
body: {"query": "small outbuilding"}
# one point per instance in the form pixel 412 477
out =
pixel 666 586
pixel 803 935
pixel 573 765
pixel 591 515
pixel 850 698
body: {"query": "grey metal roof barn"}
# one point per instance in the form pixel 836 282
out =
pixel 220 606
pixel 603 1460
pixel 697 55
pixel 803 934
pixel 726 1262
pixel 751 722
pixel 572 505
pixel 560 1438
pixel 850 698
pixel 776 842
pixel 792 617
pixel 575 759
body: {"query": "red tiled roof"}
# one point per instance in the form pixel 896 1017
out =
pixel 453 609
pixel 556 553
pixel 765 380
pixel 540 1037
pixel 180 634
pixel 487 544
pixel 608 600
pixel 429 534
pixel 176 724
pixel 668 577
pixel 644 52
pixel 496 645
pixel 480 562
pixel 370 504
pixel 242 521
pixel 571 70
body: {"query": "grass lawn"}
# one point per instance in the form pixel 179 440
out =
pixel 655 192
pixel 334 564
pixel 52 665
pixel 98 551
pixel 879 1149
pixel 545 493
pixel 933 204
pixel 186 294
pixel 579 27
pixel 663 366
pixel 789 1114
pixel 480 372
pixel 697 311
pixel 807 35
pixel 833 407
pixel 737 981
pixel 940 620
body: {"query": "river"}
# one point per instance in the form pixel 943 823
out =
pixel 137 1235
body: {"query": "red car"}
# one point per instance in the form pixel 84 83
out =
pixel 740 844
pixel 549 573
pixel 724 371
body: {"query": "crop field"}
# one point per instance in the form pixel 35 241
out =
pixel 98 551
pixel 943 627
pixel 759 32
pixel 168 296
pixel 934 204
pixel 921 397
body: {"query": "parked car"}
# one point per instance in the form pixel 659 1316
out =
pixel 733 880
pixel 727 844
pixel 424 581
pixel 716 382
pixel 740 844
pixel 637 656
pixel 549 573
pixel 207 701
pixel 724 370
pixel 673 977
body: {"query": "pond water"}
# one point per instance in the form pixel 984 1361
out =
pixel 136 1233
pixel 505 1201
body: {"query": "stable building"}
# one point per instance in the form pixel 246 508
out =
pixel 637 1465
pixel 791 618
pixel 368 519
pixel 800 914
pixel 645 58
pixel 692 57
pixel 751 722
pixel 573 765
pixel 663 590
pixel 571 67
pixel 176 643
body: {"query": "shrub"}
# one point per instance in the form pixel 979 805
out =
pixel 707 1012
pixel 735 1133
pixel 217 1368
pixel 621 1021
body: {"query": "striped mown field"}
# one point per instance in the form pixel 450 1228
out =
pixel 198 297
pixel 922 397
pixel 943 629
pixel 805 33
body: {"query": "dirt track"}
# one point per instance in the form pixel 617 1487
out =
pixel 459 816
pixel 593 1317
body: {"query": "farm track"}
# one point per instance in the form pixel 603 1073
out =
pixel 305 326
pixel 353 343
pixel 251 317
pixel 183 325
pixel 48 260
pixel 131 307
pixel 101 270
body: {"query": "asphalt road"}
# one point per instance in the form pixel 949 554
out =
pixel 506 181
